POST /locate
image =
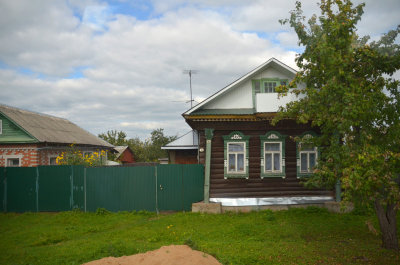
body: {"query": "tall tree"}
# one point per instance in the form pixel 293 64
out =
pixel 345 88
pixel 114 137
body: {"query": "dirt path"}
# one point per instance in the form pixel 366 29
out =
pixel 167 255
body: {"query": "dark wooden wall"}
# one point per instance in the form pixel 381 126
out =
pixel 186 156
pixel 254 186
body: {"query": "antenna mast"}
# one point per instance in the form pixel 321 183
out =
pixel 190 72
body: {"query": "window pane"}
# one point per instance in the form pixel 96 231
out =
pixel 268 162
pixel 272 147
pixel 13 162
pixel 277 161
pixel 232 162
pixel 236 147
pixel 312 160
pixel 257 86
pixel 303 162
pixel 307 147
pixel 240 162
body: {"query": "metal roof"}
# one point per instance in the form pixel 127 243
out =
pixel 190 140
pixel 50 129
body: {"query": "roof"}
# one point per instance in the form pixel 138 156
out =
pixel 242 79
pixel 120 149
pixel 50 129
pixel 190 140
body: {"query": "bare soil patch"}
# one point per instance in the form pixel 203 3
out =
pixel 166 255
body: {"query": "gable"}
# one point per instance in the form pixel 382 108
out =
pixel 12 133
pixel 240 95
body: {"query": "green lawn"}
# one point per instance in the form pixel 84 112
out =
pixel 297 236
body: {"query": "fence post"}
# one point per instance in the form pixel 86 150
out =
pixel 71 197
pixel 37 189
pixel 84 187
pixel 5 191
pixel 209 135
pixel 155 174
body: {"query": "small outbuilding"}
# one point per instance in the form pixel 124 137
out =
pixel 184 150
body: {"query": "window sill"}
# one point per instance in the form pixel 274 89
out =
pixel 236 176
pixel 272 175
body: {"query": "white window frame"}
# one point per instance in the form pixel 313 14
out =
pixel 308 152
pixel 50 157
pixel 272 154
pixel 19 157
pixel 236 153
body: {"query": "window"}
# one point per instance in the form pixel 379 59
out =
pixel 53 161
pixel 272 155
pixel 307 155
pixel 236 158
pixel 87 154
pixel 13 162
pixel 267 85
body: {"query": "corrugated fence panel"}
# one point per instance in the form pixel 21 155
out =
pixel 193 184
pixel 21 189
pixel 55 188
pixel 78 187
pixel 169 184
pixel 120 188
pixel 2 191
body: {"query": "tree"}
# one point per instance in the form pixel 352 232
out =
pixel 114 137
pixel 346 89
pixel 144 151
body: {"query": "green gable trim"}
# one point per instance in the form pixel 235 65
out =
pixel 223 111
pixel 236 137
pixel 304 139
pixel 272 137
pixel 13 133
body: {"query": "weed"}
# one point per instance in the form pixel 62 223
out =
pixel 102 211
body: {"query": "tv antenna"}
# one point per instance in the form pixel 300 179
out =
pixel 190 72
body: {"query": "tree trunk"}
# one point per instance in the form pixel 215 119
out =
pixel 387 223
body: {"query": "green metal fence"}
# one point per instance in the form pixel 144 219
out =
pixel 63 188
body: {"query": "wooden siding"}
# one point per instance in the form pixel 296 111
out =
pixel 254 186
pixel 186 156
pixel 12 134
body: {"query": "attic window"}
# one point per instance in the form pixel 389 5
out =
pixel 267 85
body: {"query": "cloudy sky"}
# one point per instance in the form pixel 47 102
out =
pixel 119 64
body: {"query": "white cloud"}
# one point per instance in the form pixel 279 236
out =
pixel 132 69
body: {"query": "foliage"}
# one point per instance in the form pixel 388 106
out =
pixel 290 237
pixel 345 88
pixel 74 156
pixel 148 150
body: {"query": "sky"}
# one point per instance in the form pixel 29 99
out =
pixel 119 65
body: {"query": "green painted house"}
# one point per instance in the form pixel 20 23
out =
pixel 30 139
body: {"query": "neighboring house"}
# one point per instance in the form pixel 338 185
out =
pixel 30 139
pixel 251 162
pixel 184 150
pixel 124 154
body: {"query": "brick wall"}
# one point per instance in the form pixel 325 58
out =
pixel 26 153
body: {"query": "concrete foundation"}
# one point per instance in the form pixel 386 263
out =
pixel 201 207
pixel 217 208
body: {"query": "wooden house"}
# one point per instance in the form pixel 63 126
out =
pixel 247 160
pixel 31 139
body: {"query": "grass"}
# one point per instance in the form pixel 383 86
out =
pixel 297 236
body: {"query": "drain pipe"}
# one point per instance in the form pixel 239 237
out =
pixel 209 134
